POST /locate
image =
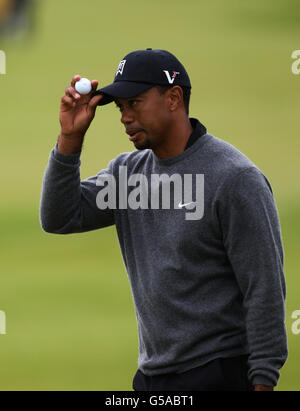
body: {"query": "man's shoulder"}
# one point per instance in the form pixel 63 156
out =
pixel 227 155
pixel 229 165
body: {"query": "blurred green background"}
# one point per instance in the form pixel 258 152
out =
pixel 70 318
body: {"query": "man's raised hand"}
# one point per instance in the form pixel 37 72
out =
pixel 76 114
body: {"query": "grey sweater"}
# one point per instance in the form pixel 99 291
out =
pixel 200 238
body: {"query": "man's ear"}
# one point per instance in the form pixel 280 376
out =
pixel 175 97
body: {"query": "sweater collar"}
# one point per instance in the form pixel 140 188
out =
pixel 198 130
pixel 196 140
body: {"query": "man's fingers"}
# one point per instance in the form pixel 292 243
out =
pixel 94 102
pixel 74 80
pixel 67 101
pixel 71 92
pixel 94 85
pixel 72 97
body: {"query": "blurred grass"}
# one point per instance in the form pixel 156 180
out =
pixel 70 318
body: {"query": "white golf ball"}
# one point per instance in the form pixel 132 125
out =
pixel 83 86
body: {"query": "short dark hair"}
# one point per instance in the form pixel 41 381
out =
pixel 186 95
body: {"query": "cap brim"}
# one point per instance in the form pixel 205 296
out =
pixel 121 89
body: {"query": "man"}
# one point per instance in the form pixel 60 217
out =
pixel 197 225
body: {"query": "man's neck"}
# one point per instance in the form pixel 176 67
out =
pixel 176 139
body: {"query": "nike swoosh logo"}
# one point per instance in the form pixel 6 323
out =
pixel 180 205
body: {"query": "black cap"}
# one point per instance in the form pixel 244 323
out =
pixel 140 70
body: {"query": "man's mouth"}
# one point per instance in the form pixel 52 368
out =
pixel 134 133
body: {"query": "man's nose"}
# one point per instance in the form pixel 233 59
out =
pixel 127 116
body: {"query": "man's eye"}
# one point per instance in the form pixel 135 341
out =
pixel 131 103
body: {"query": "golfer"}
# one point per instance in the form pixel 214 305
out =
pixel 198 229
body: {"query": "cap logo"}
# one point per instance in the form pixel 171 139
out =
pixel 121 67
pixel 171 80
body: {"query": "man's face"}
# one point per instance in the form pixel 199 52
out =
pixel 146 118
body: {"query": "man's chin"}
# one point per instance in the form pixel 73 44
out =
pixel 142 145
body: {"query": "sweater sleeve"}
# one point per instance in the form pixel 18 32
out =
pixel 252 238
pixel 68 205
